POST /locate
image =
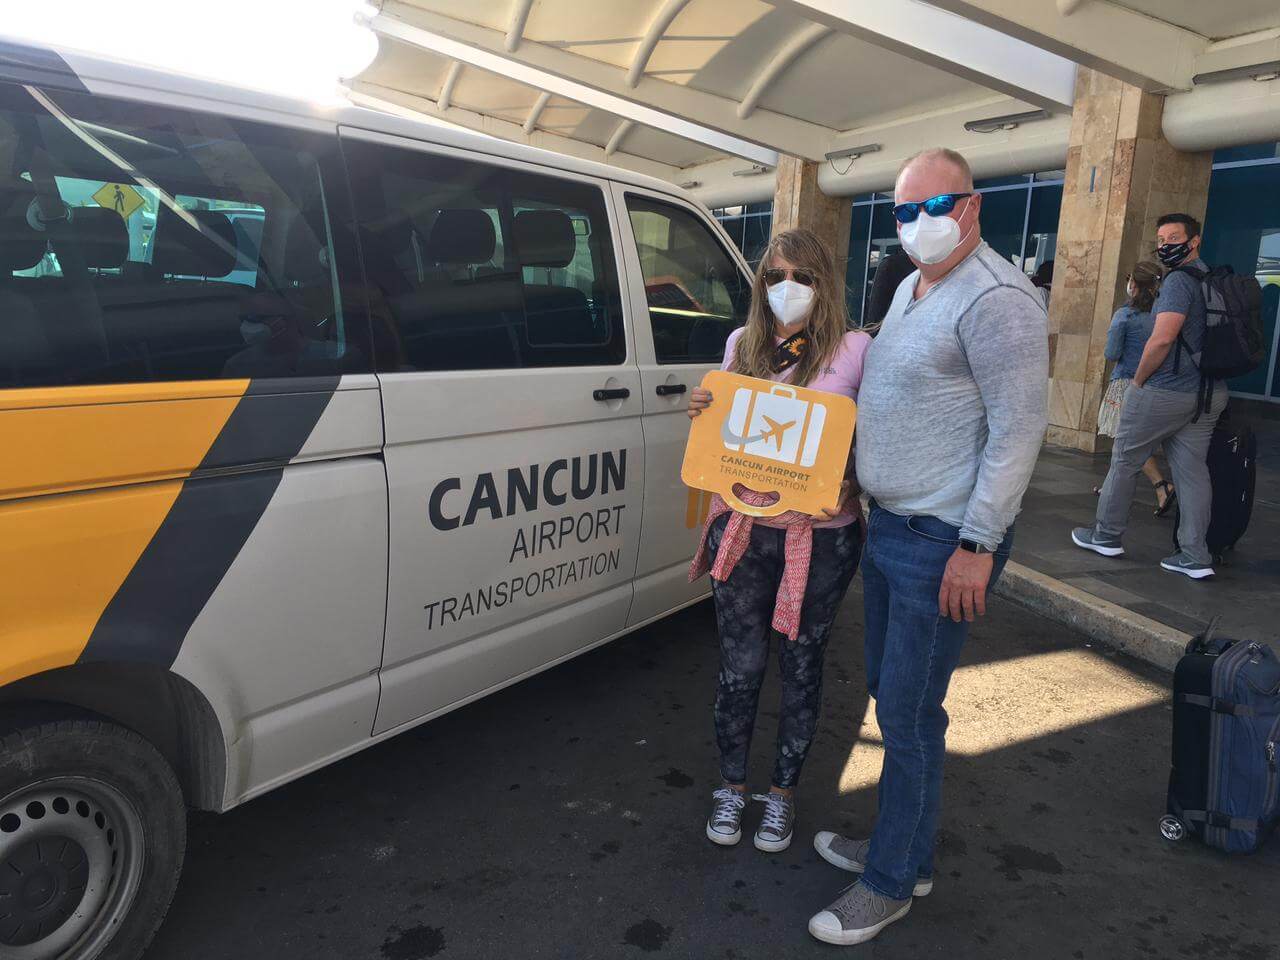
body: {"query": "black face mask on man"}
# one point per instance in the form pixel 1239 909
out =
pixel 1172 254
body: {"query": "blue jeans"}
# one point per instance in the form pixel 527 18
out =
pixel 911 653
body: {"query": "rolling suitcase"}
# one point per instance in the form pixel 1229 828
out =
pixel 1232 457
pixel 1224 785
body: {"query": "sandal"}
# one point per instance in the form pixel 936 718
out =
pixel 1170 497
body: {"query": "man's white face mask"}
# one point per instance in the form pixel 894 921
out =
pixel 932 239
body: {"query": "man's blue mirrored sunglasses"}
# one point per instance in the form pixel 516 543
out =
pixel 938 206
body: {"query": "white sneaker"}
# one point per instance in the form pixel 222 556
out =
pixel 724 826
pixel 778 823
pixel 857 916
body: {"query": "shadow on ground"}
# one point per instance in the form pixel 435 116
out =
pixel 563 818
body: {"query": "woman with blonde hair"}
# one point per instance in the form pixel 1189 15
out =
pixel 785 574
pixel 1130 329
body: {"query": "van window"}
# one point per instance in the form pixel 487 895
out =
pixel 696 292
pixel 142 243
pixel 482 267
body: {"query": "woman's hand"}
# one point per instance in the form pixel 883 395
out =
pixel 699 400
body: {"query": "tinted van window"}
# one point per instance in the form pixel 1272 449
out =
pixel 482 267
pixel 696 292
pixel 143 243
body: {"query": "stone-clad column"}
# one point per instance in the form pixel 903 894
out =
pixel 1121 176
pixel 797 202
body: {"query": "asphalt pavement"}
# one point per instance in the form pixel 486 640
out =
pixel 563 818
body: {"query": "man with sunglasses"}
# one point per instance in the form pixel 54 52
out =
pixel 951 415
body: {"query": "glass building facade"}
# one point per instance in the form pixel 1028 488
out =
pixel 1020 220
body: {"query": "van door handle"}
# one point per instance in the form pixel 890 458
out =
pixel 667 389
pixel 619 393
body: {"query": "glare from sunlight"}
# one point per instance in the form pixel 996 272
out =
pixel 297 48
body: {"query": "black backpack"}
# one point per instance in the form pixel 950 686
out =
pixel 1233 323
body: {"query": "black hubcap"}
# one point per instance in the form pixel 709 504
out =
pixel 41 884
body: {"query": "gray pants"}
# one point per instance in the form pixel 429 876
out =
pixel 1151 416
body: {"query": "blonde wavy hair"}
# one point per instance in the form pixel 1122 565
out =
pixel 826 323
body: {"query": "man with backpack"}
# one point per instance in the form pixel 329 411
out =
pixel 1175 399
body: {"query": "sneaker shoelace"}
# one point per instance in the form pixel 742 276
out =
pixel 729 804
pixel 777 810
pixel 853 897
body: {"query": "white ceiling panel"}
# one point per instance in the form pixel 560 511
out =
pixel 844 83
pixel 407 68
pixel 657 145
pixel 1214 20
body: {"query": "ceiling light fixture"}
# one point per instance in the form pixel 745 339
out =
pixel 1258 71
pixel 1009 121
pixel 853 153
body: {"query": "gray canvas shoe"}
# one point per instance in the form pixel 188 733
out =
pixel 1181 563
pixel 851 855
pixel 1087 537
pixel 724 826
pixel 857 916
pixel 778 823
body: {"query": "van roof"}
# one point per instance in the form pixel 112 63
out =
pixel 45 65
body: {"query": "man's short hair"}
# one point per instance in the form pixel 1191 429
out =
pixel 1187 220
pixel 946 156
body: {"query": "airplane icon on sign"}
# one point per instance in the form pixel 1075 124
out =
pixel 776 430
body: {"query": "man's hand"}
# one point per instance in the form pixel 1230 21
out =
pixel 964 585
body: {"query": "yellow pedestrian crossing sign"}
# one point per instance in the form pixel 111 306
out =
pixel 120 197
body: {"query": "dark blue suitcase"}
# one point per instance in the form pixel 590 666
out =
pixel 1224 785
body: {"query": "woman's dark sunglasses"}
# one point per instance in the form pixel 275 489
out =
pixel 938 206
pixel 774 276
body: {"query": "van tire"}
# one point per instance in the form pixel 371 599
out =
pixel 109 888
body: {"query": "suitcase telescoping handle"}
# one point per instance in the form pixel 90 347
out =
pixel 1202 642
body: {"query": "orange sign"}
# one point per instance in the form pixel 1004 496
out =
pixel 771 438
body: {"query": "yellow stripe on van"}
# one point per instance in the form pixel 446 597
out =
pixel 59 440
pixel 63 557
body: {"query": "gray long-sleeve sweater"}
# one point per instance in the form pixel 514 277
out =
pixel 954 399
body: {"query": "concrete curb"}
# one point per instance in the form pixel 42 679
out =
pixel 1101 620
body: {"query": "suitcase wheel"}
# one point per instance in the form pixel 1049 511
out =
pixel 1171 828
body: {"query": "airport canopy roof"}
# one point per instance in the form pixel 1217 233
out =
pixel 709 92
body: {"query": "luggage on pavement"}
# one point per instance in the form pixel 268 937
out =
pixel 1233 468
pixel 1224 785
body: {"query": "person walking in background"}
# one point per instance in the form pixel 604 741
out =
pixel 953 410
pixel 785 574
pixel 890 273
pixel 1042 280
pixel 1130 329
pixel 1163 404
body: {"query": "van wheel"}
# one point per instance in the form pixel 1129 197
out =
pixel 92 835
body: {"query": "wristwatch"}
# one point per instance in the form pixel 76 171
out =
pixel 972 546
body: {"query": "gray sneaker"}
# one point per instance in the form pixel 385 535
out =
pixel 1087 537
pixel 778 823
pixel 858 914
pixel 851 855
pixel 1181 563
pixel 724 826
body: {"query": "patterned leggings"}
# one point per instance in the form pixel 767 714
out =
pixel 744 611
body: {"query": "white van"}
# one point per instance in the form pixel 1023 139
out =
pixel 359 421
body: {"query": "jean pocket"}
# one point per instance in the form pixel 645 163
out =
pixel 931 528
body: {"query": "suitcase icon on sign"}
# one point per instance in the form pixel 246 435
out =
pixel 775 425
